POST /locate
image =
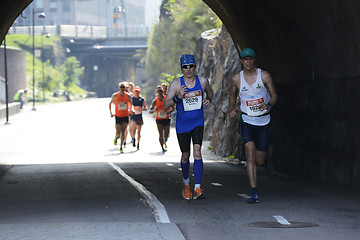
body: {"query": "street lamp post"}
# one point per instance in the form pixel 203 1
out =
pixel 42 62
pixel 41 15
pixel 6 83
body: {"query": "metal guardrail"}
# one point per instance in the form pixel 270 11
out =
pixel 83 31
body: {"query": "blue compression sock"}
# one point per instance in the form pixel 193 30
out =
pixel 198 170
pixel 185 169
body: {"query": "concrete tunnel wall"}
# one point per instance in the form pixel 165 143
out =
pixel 311 48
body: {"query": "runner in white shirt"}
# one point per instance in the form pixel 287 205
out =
pixel 257 95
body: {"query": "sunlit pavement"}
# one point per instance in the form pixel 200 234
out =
pixel 69 181
pixel 73 132
pixel 66 138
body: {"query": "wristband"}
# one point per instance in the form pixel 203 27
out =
pixel 269 105
pixel 176 99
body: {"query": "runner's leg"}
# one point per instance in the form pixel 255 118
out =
pixel 160 128
pixel 133 131
pixel 166 134
pixel 123 130
pixel 250 163
pixel 138 134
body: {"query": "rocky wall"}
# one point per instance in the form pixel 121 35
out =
pixel 218 60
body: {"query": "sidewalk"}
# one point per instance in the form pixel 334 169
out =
pixel 13 109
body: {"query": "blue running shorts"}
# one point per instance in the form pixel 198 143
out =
pixel 257 134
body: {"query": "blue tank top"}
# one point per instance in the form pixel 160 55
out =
pixel 137 101
pixel 191 114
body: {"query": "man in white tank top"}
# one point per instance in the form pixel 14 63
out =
pixel 257 95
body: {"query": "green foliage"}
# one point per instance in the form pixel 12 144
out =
pixel 231 157
pixel 71 71
pixel 170 39
pixel 24 41
pixel 168 78
pixel 55 78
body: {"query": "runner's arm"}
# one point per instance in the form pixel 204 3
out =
pixel 172 92
pixel 130 105
pixel 152 108
pixel 112 101
pixel 144 105
pixel 209 92
pixel 234 91
pixel 267 80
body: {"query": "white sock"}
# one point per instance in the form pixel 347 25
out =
pixel 197 186
pixel 187 182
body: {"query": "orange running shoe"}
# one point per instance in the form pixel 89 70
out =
pixel 198 194
pixel 186 193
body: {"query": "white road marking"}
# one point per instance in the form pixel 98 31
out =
pixel 282 220
pixel 244 196
pixel 158 208
pixel 170 164
pixel 216 184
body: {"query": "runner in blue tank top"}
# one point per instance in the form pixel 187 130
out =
pixel 186 121
pixel 136 120
pixel 187 93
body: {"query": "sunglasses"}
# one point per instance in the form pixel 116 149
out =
pixel 187 66
pixel 122 86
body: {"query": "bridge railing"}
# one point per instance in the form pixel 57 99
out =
pixel 83 31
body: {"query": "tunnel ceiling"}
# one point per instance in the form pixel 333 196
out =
pixel 294 40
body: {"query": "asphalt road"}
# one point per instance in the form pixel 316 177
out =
pixel 65 179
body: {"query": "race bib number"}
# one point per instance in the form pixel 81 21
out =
pixel 162 114
pixel 192 100
pixel 253 106
pixel 122 106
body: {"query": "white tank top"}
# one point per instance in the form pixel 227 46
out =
pixel 250 97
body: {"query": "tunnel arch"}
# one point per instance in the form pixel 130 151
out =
pixel 285 34
pixel 312 50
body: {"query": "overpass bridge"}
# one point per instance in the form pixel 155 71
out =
pixel 107 55
pixel 116 47
pixel 108 61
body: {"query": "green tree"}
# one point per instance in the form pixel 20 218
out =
pixel 71 72
pixel 55 77
pixel 175 35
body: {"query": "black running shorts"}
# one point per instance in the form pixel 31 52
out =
pixel 137 118
pixel 121 120
pixel 164 122
pixel 196 135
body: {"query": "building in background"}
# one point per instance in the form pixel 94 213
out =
pixel 68 12
pixel 119 17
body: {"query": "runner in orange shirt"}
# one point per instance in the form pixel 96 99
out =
pixel 121 100
pixel 162 117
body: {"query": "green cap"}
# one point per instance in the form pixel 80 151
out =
pixel 247 52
